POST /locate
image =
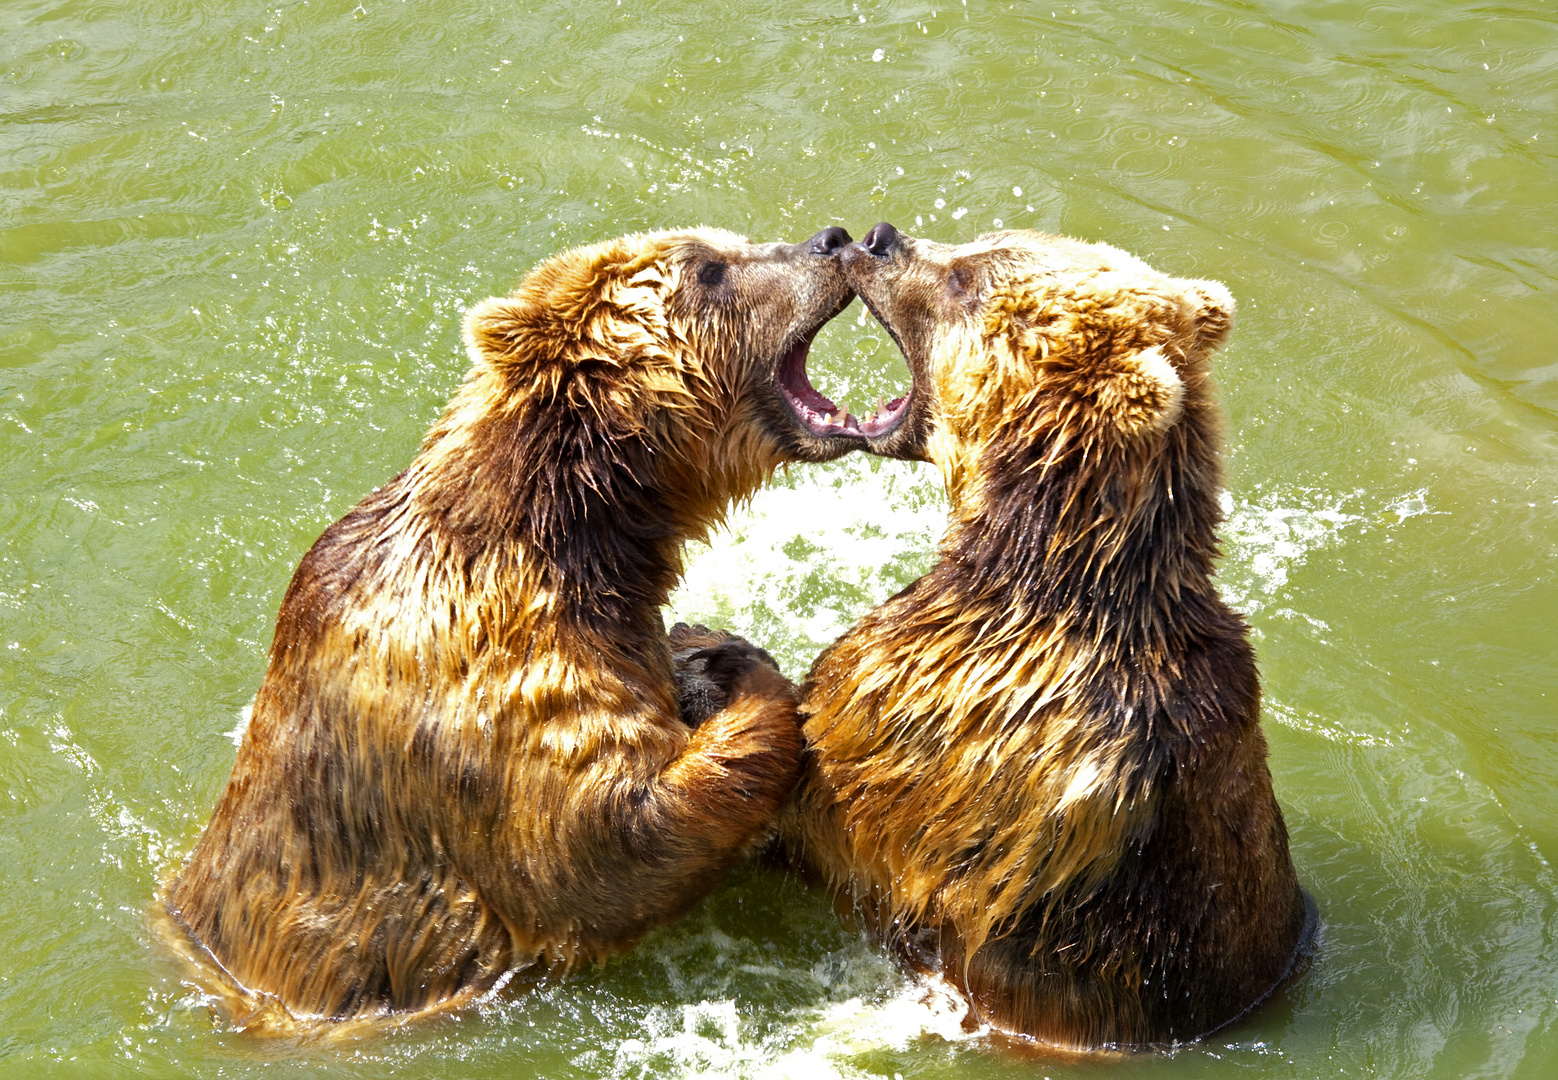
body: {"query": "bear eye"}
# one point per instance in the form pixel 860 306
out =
pixel 711 273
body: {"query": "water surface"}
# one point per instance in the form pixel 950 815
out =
pixel 235 244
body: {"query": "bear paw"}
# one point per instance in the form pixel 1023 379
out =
pixel 714 667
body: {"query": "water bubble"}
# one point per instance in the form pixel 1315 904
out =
pixel 66 49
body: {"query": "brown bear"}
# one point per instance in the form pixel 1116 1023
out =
pixel 1040 768
pixel 466 760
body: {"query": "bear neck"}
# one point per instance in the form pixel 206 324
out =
pixel 1120 550
pixel 571 518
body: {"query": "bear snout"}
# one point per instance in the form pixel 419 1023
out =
pixel 828 241
pixel 881 240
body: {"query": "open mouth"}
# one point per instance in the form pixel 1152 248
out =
pixel 819 415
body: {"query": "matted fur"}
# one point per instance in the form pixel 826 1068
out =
pixel 465 760
pixel 1045 755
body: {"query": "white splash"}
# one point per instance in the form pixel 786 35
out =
pixel 245 715
pixel 1270 535
pixel 711 1038
pixel 925 1008
pixel 812 553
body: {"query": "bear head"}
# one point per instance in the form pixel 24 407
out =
pixel 694 342
pixel 1021 339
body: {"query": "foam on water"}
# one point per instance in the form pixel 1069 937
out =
pixel 812 553
pixel 240 725
pixel 718 1037
pixel 1269 534
pixel 921 1009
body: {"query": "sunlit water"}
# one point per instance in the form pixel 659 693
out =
pixel 235 243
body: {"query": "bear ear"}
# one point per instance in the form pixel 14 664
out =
pixel 1145 395
pixel 495 328
pixel 1214 307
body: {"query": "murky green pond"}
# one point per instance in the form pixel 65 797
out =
pixel 235 243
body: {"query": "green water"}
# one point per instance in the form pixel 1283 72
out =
pixel 235 244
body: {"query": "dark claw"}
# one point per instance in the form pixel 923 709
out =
pixel 708 665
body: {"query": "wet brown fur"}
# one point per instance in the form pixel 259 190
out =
pixel 465 760
pixel 1044 757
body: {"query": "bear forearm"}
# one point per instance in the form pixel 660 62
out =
pixel 724 791
pixel 639 853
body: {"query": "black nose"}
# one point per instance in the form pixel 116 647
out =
pixel 828 241
pixel 881 239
